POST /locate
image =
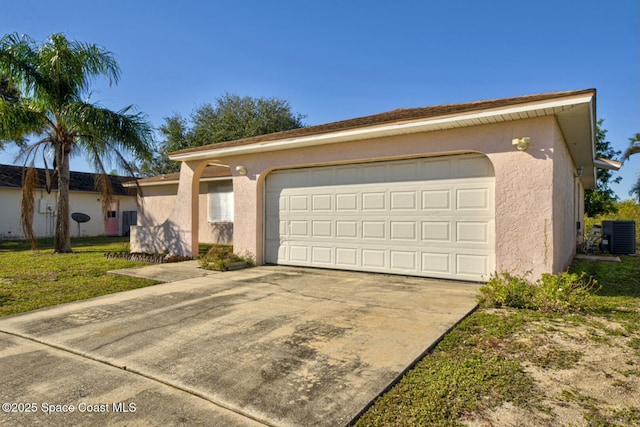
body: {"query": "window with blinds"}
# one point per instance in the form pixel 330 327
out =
pixel 220 201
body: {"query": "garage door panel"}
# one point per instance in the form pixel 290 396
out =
pixel 321 177
pixel 436 231
pixel 434 263
pixel 435 169
pixel 346 229
pixel 405 170
pixel 403 230
pixel 298 203
pixel 373 200
pixel 472 198
pixel 470 167
pixel 346 257
pixel 321 202
pixel 434 200
pixel 299 253
pixel 472 265
pixel 386 217
pixel 275 228
pixel 321 229
pixel 403 260
pixel 299 228
pixel 374 258
pixel 374 172
pixel 346 175
pixel 472 232
pixel 274 204
pixel 374 230
pixel 403 200
pixel 347 202
pixel 322 255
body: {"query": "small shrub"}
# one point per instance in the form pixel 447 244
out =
pixel 220 256
pixel 552 292
pixel 564 292
pixel 505 290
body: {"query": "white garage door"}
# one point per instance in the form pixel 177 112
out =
pixel 430 217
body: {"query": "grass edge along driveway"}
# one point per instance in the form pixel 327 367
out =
pixel 30 280
pixel 507 366
pixel 484 364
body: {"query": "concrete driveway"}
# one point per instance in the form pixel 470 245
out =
pixel 262 346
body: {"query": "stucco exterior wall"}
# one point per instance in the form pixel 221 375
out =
pixel 536 195
pixel 44 222
pixel 566 199
pixel 159 202
pixel 524 184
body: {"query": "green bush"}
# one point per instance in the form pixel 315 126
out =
pixel 505 290
pixel 627 210
pixel 552 292
pixel 220 256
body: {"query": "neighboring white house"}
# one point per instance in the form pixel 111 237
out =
pixel 158 202
pixel 83 198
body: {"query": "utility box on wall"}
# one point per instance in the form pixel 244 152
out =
pixel 619 237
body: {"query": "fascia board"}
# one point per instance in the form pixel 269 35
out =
pixel 394 129
pixel 175 182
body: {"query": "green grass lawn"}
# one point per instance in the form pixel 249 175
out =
pixel 35 279
pixel 480 364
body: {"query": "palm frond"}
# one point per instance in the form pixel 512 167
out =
pixel 107 130
pixel 18 120
pixel 19 63
pixel 635 189
pixel 634 146
pixel 72 66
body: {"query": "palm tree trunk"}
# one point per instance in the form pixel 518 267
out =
pixel 62 237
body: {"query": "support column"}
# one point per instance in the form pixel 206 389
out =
pixel 178 235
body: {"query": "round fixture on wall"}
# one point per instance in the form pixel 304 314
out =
pixel 241 170
pixel 521 143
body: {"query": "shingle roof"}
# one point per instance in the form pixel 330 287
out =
pixel 11 177
pixel 396 116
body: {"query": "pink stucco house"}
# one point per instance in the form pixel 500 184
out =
pixel 451 191
pixel 215 204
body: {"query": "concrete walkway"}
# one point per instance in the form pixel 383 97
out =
pixel 166 273
pixel 264 346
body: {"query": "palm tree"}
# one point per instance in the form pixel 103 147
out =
pixel 53 82
pixel 8 94
pixel 634 148
pixel 7 91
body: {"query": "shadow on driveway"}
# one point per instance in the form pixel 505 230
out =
pixel 270 345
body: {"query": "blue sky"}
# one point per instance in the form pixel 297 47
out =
pixel 334 60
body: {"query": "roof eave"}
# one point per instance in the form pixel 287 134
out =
pixel 478 117
pixel 131 184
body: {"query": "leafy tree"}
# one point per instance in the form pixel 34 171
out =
pixel 53 78
pixel 232 117
pixel 174 132
pixel 602 199
pixel 634 148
